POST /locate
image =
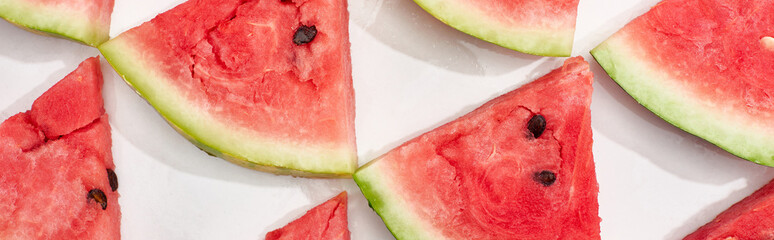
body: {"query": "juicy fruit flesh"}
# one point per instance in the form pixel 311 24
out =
pixel 237 85
pixel 747 219
pixel 247 70
pixel 46 182
pixel 485 184
pixel 43 190
pixel 52 111
pixel 483 167
pixel 327 221
pixel 720 53
pixel 700 65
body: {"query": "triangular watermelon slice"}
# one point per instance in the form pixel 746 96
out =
pixel 518 167
pixel 327 221
pixel 706 66
pixel 266 84
pixel 750 219
pixel 85 21
pixel 57 178
pixel 539 27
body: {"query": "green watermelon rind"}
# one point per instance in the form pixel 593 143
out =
pixel 650 88
pixel 393 210
pixel 53 22
pixel 535 41
pixel 213 136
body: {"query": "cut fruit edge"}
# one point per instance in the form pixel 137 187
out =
pixel 49 21
pixel 218 138
pixel 535 41
pixel 335 209
pixel 395 210
pixel 655 90
pixel 734 218
pixel 390 206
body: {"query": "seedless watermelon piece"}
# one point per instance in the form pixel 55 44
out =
pixel 703 66
pixel 327 221
pixel 60 187
pixel 539 27
pixel 72 103
pixel 86 21
pixel 750 218
pixel 263 83
pixel 518 167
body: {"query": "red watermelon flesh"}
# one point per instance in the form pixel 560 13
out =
pixel 75 101
pixel 485 175
pixel 704 66
pixel 229 75
pixel 749 219
pixel 45 182
pixel 327 221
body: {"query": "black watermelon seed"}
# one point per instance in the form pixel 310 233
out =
pixel 113 179
pixel 304 34
pixel 285 1
pixel 99 197
pixel 536 125
pixel 545 177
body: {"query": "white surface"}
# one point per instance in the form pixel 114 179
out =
pixel 411 73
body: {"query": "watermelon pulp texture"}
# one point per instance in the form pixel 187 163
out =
pixel 52 156
pixel 703 66
pixel 539 27
pixel 327 221
pixel 86 21
pixel 747 219
pixel 481 175
pixel 228 75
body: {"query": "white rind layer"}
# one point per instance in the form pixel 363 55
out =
pixel 536 40
pixel 51 20
pixel 241 146
pixel 389 203
pixel 721 125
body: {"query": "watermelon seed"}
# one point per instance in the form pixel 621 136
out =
pixel 99 197
pixel 545 177
pixel 768 43
pixel 304 34
pixel 113 179
pixel 536 125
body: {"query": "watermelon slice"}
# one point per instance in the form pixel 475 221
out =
pixel 518 167
pixel 56 167
pixel 85 21
pixel 327 221
pixel 750 218
pixel 539 27
pixel 266 84
pixel 705 66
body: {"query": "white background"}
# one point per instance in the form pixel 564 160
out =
pixel 412 73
